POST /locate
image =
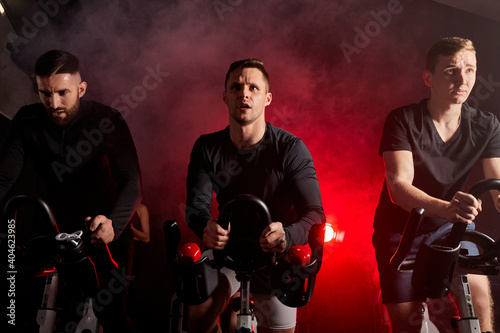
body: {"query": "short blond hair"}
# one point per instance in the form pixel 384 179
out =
pixel 447 47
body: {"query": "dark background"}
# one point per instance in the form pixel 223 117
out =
pixel 336 67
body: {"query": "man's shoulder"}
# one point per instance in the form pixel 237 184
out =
pixel 215 137
pixel 97 112
pixel 30 112
pixel 477 113
pixel 284 143
pixel 407 114
pixel 411 109
pixel 209 144
pixel 280 135
pixel 479 119
pixel 97 108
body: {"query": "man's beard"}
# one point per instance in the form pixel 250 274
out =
pixel 70 114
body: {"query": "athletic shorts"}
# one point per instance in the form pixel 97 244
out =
pixel 396 287
pixel 268 310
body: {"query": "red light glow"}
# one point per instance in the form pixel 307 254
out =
pixel 332 235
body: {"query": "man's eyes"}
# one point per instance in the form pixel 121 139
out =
pixel 238 87
pixel 452 71
pixel 60 93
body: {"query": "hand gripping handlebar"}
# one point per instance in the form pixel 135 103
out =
pixel 248 216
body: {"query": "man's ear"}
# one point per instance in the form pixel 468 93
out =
pixel 82 88
pixel 224 97
pixel 269 98
pixel 427 76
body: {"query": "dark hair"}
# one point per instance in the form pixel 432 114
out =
pixel 56 62
pixel 247 63
pixel 447 47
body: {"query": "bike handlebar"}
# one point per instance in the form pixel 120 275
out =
pixel 400 263
pixel 14 203
pixel 243 250
pixel 239 201
pixel 458 230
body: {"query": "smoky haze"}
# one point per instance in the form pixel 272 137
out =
pixel 336 70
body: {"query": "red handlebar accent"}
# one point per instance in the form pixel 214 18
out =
pixel 299 255
pixel 189 253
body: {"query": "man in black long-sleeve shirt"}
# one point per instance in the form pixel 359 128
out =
pixel 85 166
pixel 251 156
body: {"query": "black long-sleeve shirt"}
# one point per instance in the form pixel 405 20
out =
pixel 279 170
pixel 86 168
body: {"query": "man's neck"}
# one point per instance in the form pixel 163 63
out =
pixel 246 136
pixel 444 112
pixel 446 118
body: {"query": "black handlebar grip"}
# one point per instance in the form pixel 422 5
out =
pixel 240 201
pixel 483 186
pixel 15 202
pixel 398 261
pixel 249 216
pixel 172 235
pixel 458 230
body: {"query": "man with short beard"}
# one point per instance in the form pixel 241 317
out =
pixel 86 169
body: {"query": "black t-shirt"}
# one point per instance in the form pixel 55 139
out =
pixel 279 170
pixel 85 168
pixel 440 168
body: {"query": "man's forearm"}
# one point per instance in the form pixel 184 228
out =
pixel 408 197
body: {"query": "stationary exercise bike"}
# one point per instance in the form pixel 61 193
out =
pixel 60 258
pixel 437 266
pixel 197 277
